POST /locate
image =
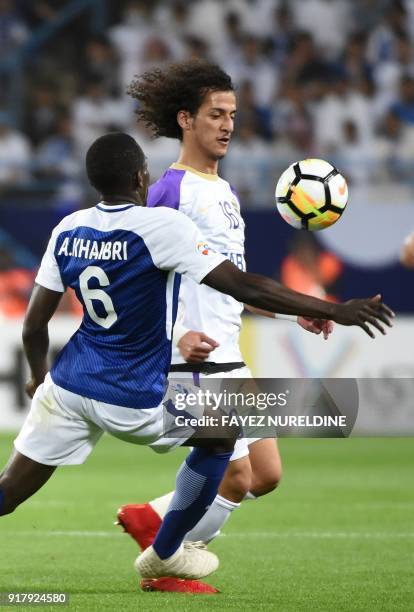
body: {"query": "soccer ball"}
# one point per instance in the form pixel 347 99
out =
pixel 311 194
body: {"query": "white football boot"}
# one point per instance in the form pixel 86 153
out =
pixel 191 561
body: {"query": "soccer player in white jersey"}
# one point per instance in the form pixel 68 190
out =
pixel 122 260
pixel 195 102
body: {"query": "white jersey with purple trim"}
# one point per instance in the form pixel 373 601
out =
pixel 121 261
pixel 214 207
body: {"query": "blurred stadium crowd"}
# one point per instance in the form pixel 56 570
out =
pixel 322 78
pixel 328 78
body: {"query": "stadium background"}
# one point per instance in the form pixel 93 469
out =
pixel 327 78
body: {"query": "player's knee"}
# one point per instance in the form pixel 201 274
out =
pixel 223 444
pixel 266 481
pixel 226 434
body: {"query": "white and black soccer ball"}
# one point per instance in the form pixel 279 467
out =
pixel 311 194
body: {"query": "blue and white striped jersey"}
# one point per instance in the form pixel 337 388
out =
pixel 124 263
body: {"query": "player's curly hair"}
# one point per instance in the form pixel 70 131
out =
pixel 182 86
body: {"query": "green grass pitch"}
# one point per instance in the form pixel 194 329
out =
pixel 337 535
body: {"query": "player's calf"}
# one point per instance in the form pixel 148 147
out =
pixel 7 505
pixel 21 478
pixel 262 484
pixel 196 487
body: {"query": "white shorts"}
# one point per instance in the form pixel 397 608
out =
pixel 241 447
pixel 62 427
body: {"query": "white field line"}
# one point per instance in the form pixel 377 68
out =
pixel 251 534
pixel 395 505
pixel 322 534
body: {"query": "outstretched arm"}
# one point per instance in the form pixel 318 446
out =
pixel 42 306
pixel 266 294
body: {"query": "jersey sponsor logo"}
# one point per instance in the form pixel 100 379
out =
pixel 203 248
pixel 94 249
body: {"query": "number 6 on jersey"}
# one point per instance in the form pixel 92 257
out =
pixel 97 294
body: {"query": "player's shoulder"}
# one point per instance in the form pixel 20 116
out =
pixel 232 195
pixel 166 190
pixel 143 218
pixel 158 227
pixel 75 219
pixel 232 189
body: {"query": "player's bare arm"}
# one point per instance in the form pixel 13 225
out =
pixel 267 294
pixel 42 306
pixel 315 326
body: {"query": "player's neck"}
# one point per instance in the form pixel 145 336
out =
pixel 198 161
pixel 130 198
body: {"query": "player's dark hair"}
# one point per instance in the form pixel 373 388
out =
pixel 182 86
pixel 112 162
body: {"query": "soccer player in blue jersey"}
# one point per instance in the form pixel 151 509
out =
pixel 124 262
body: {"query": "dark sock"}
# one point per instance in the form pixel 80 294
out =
pixel 197 484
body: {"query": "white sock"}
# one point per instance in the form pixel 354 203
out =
pixel 160 504
pixel 249 495
pixel 209 526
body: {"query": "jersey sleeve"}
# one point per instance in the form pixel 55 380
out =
pixel 49 274
pixel 178 245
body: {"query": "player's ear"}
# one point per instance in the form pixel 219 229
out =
pixel 136 180
pixel 184 120
pixel 142 177
pixel 141 183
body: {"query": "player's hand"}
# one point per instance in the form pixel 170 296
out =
pixel 317 326
pixel 361 312
pixel 31 386
pixel 196 347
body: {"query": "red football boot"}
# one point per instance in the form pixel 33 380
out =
pixel 141 522
pixel 178 585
